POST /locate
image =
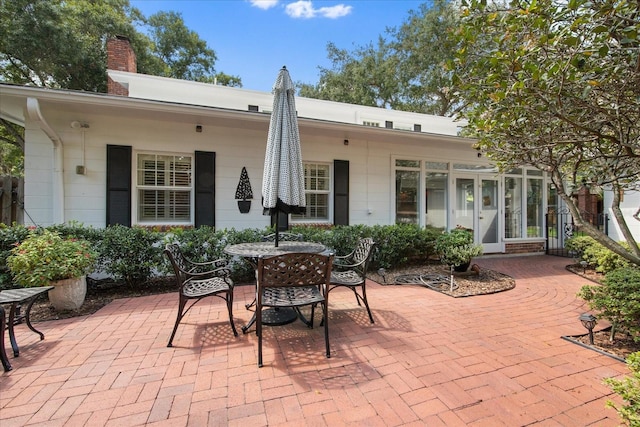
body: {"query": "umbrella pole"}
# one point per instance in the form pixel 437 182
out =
pixel 277 226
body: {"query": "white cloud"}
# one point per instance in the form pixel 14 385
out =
pixel 335 11
pixel 305 9
pixel 263 4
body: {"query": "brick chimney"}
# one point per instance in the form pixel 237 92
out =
pixel 120 57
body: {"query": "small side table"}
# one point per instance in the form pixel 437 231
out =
pixel 17 297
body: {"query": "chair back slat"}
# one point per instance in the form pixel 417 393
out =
pixel 294 269
pixel 362 255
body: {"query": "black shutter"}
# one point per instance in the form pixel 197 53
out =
pixel 341 192
pixel 119 185
pixel 205 186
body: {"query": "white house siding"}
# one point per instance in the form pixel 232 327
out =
pixel 370 161
pixel 167 124
pixel 629 206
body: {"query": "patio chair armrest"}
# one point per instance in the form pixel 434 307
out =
pixel 223 272
pixel 211 265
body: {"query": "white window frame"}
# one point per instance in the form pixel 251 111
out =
pixel 300 219
pixel 525 175
pixel 141 186
pixel 423 167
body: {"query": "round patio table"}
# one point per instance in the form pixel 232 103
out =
pixel 251 251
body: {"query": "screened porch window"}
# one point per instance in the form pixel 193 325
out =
pixel 164 187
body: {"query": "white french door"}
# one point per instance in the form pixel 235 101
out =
pixel 476 206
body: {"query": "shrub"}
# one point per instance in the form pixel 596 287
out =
pixel 456 247
pixel 10 237
pixel 45 256
pixel 132 254
pixel 629 389
pixel 396 245
pixel 578 244
pixel 617 299
pixel 603 260
pixel 207 244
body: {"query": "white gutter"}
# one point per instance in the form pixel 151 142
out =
pixel 33 109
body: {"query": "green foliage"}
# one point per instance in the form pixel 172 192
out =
pixel 396 245
pixel 456 247
pixel 131 254
pixel 77 230
pixel 629 389
pixel 10 237
pixel 61 44
pixel 207 244
pixel 134 255
pixel 404 70
pixel 182 53
pixel 578 244
pixel 11 152
pixel 617 299
pixel 44 256
pixel 545 85
pixel 603 260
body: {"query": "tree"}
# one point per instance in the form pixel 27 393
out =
pixel 183 54
pixel 11 148
pixel 556 85
pixel 404 72
pixel 424 43
pixel 365 77
pixel 62 44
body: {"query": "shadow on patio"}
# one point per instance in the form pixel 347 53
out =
pixel 429 359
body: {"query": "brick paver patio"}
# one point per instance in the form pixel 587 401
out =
pixel 492 360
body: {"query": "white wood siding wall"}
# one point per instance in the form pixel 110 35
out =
pixel 371 171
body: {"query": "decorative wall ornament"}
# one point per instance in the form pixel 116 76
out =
pixel 244 194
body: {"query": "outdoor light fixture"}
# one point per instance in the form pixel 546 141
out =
pixel 589 322
pixel 198 128
pixel 346 142
pixel 382 272
pixel 584 265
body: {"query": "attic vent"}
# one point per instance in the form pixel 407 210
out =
pixel 417 128
pixel 388 124
pixel 369 123
pixel 253 108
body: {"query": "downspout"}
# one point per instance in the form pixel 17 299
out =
pixel 33 109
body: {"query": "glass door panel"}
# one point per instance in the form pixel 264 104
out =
pixel 477 207
pixel 489 229
pixel 465 203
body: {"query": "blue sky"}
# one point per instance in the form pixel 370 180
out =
pixel 253 39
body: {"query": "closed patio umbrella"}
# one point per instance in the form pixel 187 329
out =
pixel 283 176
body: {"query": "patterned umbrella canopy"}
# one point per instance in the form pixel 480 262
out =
pixel 283 176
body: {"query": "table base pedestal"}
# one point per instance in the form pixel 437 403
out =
pixel 274 317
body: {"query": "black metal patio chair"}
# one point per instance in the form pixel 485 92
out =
pixel 293 280
pixel 198 280
pixel 350 271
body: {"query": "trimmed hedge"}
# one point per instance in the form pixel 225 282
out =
pixel 134 254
